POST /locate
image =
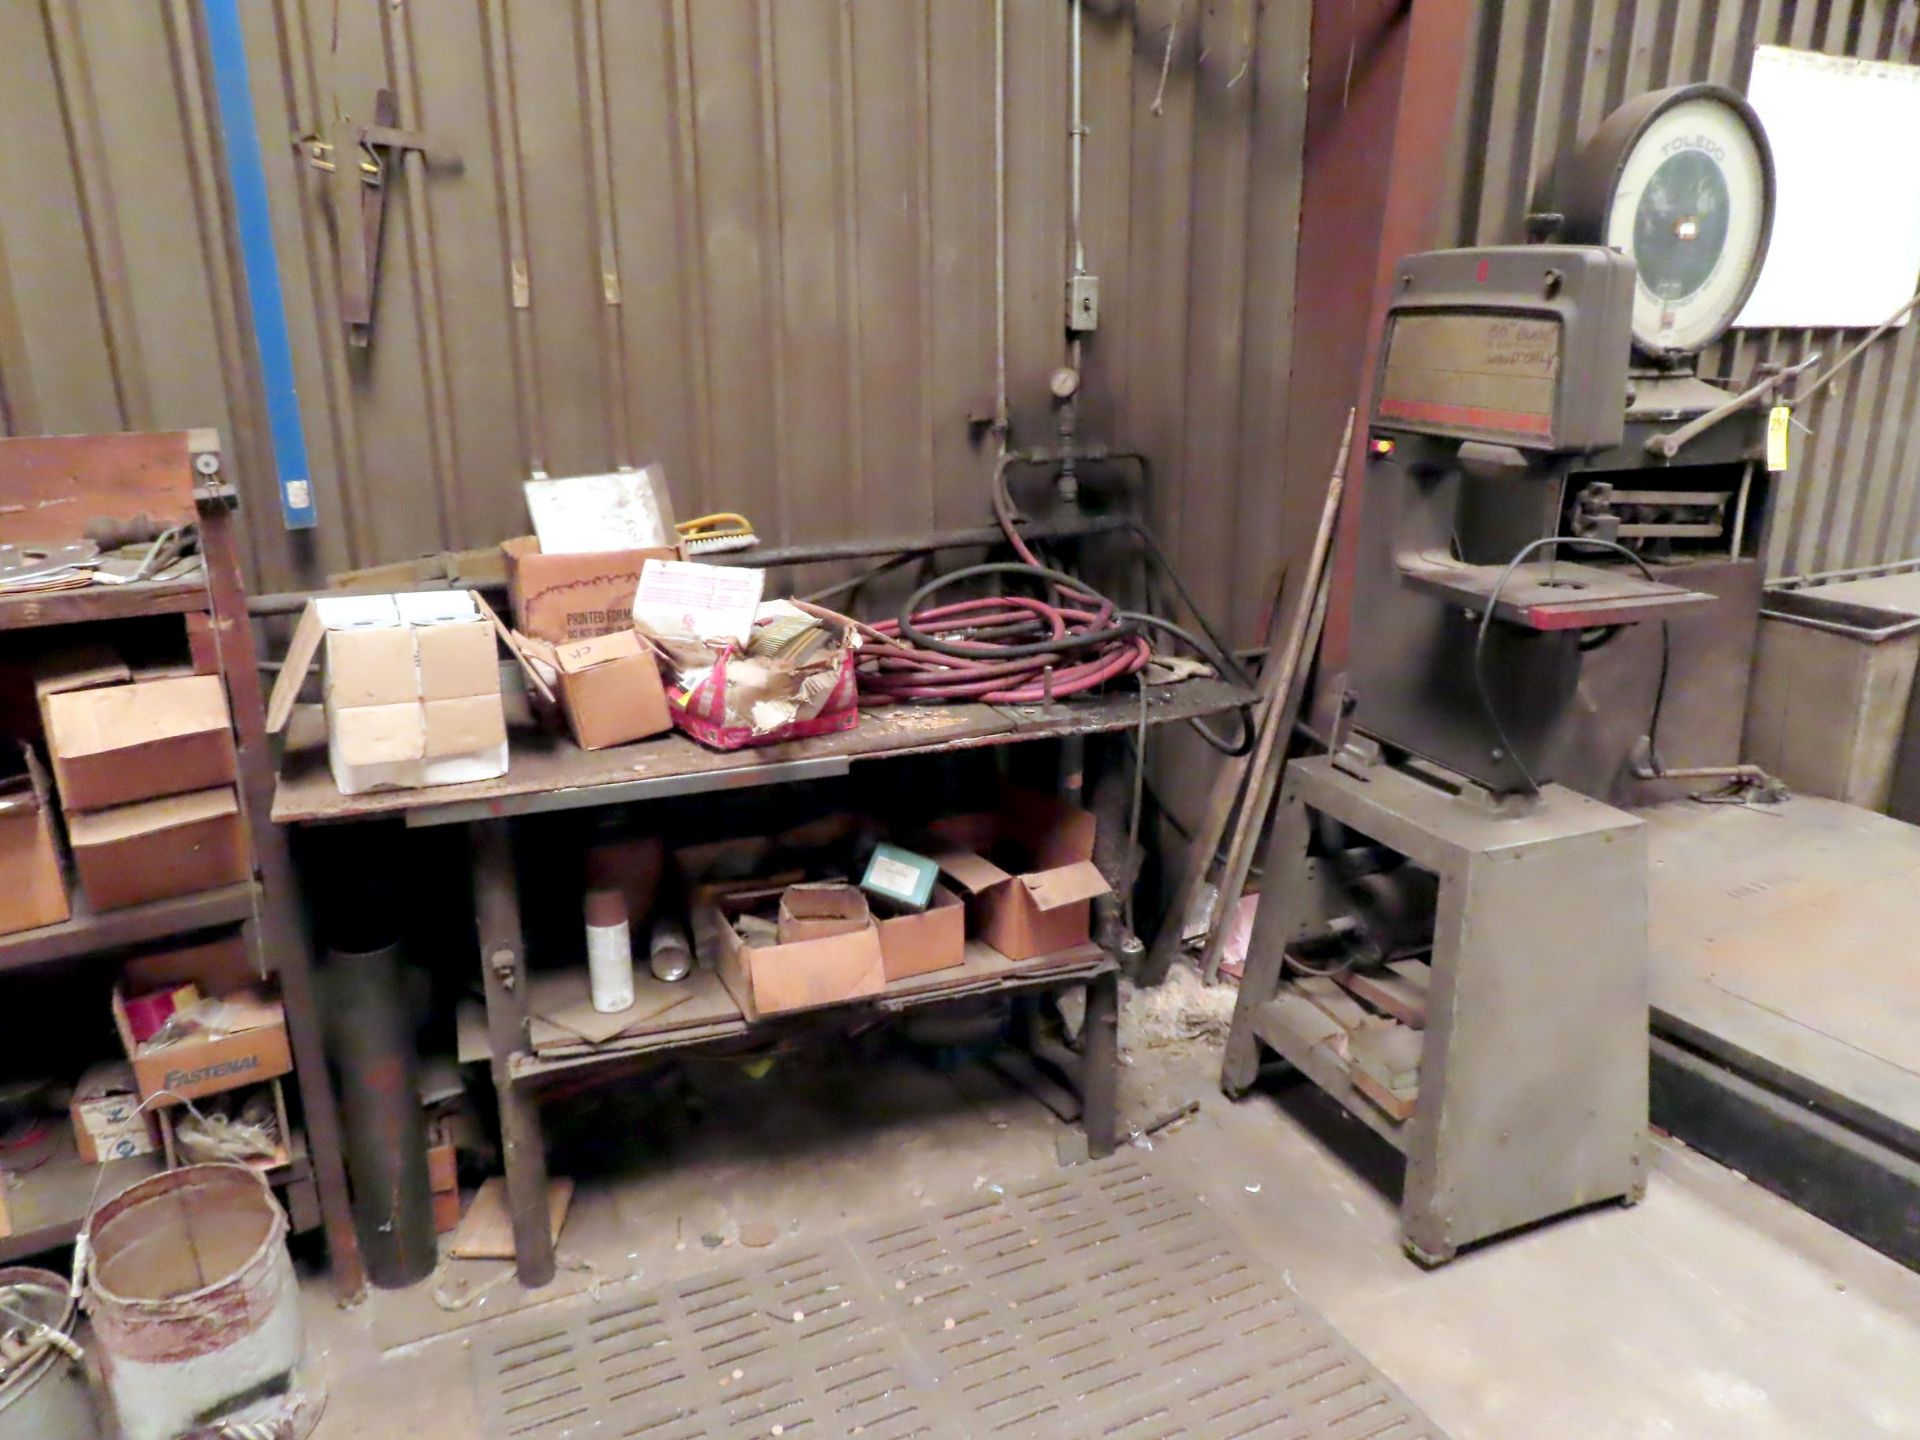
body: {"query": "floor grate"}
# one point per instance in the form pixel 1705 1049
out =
pixel 1104 1303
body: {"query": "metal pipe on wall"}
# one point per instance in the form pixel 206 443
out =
pixel 1001 419
pixel 1068 480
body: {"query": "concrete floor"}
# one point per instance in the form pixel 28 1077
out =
pixel 1711 1310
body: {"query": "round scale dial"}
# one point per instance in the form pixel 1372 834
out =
pixel 1682 181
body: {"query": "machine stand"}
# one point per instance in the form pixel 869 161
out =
pixel 1532 1077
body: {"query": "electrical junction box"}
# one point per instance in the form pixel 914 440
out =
pixel 1083 302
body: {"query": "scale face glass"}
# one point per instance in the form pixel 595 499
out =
pixel 1690 207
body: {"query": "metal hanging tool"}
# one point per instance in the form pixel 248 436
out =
pixel 360 158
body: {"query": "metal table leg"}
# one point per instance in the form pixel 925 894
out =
pixel 1100 1063
pixel 504 972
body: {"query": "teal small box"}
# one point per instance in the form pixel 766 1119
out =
pixel 900 876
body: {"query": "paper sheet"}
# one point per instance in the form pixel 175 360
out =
pixel 1846 228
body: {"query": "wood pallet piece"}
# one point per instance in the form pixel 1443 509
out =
pixel 1401 994
pixel 1396 1104
pixel 1347 1012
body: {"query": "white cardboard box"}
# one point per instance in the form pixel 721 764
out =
pixel 411 685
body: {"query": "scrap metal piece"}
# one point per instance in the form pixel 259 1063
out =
pixel 24 564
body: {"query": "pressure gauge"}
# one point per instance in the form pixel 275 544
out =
pixel 1681 180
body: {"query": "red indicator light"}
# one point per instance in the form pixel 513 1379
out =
pixel 1480 272
pixel 1379 446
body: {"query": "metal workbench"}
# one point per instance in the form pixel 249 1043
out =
pixel 549 774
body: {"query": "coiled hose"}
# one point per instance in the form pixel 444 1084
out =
pixel 1016 649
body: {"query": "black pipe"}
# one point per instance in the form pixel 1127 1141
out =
pixel 370 1039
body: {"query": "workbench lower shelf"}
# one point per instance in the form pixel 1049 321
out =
pixel 49 1203
pixel 88 931
pixel 716 1017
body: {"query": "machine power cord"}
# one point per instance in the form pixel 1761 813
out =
pixel 1486 623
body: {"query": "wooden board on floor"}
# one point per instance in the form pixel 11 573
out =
pixel 487 1231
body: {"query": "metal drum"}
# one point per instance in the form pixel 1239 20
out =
pixel 43 1386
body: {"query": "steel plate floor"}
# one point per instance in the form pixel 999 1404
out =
pixel 1101 1302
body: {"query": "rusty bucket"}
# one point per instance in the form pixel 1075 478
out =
pixel 196 1313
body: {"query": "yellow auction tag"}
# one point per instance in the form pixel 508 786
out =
pixel 1777 423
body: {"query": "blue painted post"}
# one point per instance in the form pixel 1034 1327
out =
pixel 248 176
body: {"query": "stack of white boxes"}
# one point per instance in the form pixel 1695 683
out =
pixel 412 686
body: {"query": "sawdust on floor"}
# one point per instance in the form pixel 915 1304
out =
pixel 1180 1009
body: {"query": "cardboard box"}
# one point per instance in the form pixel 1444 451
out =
pixel 153 849
pixel 770 979
pixel 116 744
pixel 1027 870
pixel 609 687
pixel 33 892
pixel 934 939
pixel 819 910
pixel 215 967
pixel 558 598
pixel 412 688
pixel 255 1049
pixel 78 667
pixel 108 1123
pixel 443 1171
pixel 446 1211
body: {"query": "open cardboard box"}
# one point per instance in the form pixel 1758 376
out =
pixel 771 979
pixel 412 687
pixel 933 939
pixel 255 1049
pixel 1027 871
pixel 558 598
pixel 108 1123
pixel 609 687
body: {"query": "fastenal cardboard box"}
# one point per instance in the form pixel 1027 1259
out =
pixel 251 1047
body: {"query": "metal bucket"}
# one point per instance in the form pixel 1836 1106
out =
pixel 43 1390
pixel 196 1313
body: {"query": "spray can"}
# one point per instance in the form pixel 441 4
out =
pixel 669 953
pixel 609 951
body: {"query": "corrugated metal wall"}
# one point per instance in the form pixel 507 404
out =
pixel 118 301
pixel 751 240
pixel 1548 71
pixel 754 241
